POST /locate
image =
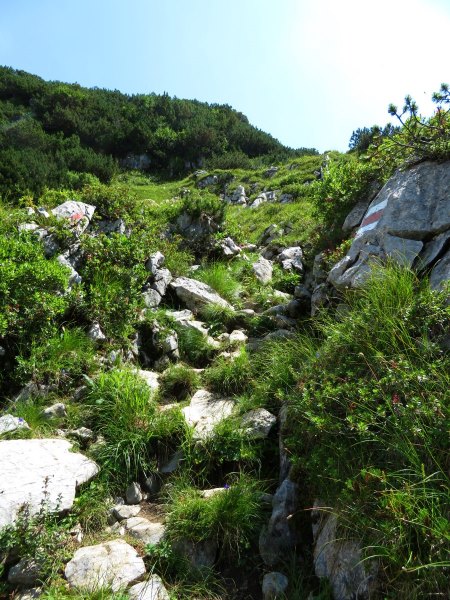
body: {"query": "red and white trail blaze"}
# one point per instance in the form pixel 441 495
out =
pixel 371 218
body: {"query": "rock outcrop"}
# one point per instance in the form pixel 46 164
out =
pixel 408 221
pixel 39 471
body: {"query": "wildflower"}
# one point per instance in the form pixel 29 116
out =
pixel 226 486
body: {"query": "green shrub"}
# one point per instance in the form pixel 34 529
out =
pixel 31 288
pixel 60 359
pixel 344 183
pixel 112 201
pixel 368 431
pixel 42 537
pixel 202 203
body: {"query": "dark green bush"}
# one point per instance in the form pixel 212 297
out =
pixel 32 288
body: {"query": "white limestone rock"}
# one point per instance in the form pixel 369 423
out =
pixel 205 411
pixel 113 564
pixel 37 470
pixel 263 270
pixel 8 423
pixel 196 294
pixel 152 589
pixel 146 531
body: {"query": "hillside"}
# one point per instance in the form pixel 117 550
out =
pixel 228 385
pixel 51 133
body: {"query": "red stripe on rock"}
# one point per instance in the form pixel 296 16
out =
pixel 372 218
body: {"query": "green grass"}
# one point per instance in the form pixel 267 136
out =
pixel 220 277
pixel 232 517
pixel 194 346
pixel 120 407
pixel 368 432
pixel 229 375
pixel 178 382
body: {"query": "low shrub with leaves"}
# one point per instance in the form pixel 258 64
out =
pixel 59 360
pixel 42 538
pixel 31 288
pixel 368 432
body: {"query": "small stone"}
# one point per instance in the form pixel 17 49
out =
pixel 152 298
pixel 8 423
pixel 263 270
pixel 257 423
pixel 274 585
pixel 134 493
pixel 56 411
pixel 238 337
pixel 95 333
pixel 152 589
pixel 212 492
pixel 26 572
pixel 125 511
pixel 83 434
pixel 147 531
pixel 155 262
pixel 113 564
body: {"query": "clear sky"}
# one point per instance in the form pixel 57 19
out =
pixel 307 71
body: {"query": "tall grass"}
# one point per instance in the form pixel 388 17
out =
pixel 368 423
pixel 218 276
pixel 232 516
pixel 122 410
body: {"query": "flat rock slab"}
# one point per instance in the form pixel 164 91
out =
pixel 205 411
pixel 147 531
pixel 152 589
pixel 113 564
pixel 33 471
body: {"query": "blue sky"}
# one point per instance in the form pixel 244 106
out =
pixel 307 71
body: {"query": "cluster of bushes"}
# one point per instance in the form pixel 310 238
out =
pixel 50 129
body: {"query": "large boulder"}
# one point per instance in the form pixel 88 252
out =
pixel 412 209
pixel 196 294
pixel 113 564
pixel 33 472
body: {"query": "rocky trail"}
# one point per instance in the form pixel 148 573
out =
pixel 408 221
